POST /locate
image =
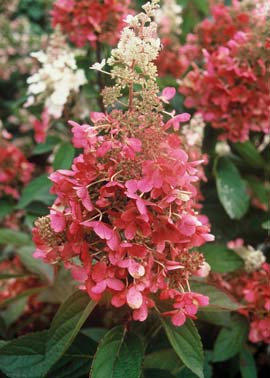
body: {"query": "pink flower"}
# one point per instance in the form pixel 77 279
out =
pixel 89 20
pixel 41 127
pixel 167 94
pixel 175 121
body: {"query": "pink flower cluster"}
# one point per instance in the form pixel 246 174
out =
pixel 124 220
pixel 15 170
pixel 172 60
pixel 257 295
pixel 253 290
pixel 231 90
pixel 90 21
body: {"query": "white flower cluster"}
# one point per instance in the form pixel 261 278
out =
pixel 138 44
pixel 194 131
pixel 253 259
pixel 169 18
pixel 57 78
pixel 132 62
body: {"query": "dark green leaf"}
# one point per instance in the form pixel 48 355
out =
pixel 14 311
pixel 231 188
pixel 247 365
pixel 163 359
pixel 186 343
pixel 119 354
pixel 33 355
pixel 218 318
pixel 48 146
pixel 230 340
pixel 250 154
pixel 220 258
pixel 95 333
pixel 157 373
pixel 218 300
pixel 12 237
pixel 76 361
pixel 6 208
pixel 37 190
pixel 37 266
pixel 64 156
pixel 259 189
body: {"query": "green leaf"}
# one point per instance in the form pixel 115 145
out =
pixel 218 318
pixel 119 354
pixel 12 237
pixel 250 154
pixel 8 276
pixel 259 189
pixel 218 300
pixel 61 288
pixel 156 373
pixel 23 294
pixel 33 355
pixel 48 146
pixel 220 258
pixel 247 365
pixel 186 343
pixel 37 266
pixel 202 6
pixel 14 311
pixel 163 359
pixel 231 188
pixel 76 361
pixel 95 333
pixel 6 208
pixel 64 156
pixel 266 225
pixel 37 190
pixel 230 340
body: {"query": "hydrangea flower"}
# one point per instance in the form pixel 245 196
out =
pixel 250 287
pixel 231 88
pixel 125 220
pixel 15 169
pixel 90 21
pixel 57 79
pixel 170 61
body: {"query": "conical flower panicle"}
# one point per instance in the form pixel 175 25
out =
pixel 126 211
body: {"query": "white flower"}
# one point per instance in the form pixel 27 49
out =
pixel 194 131
pixel 253 259
pixel 98 66
pixel 57 78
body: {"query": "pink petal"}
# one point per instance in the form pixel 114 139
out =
pixel 135 143
pixel 84 196
pixel 115 284
pixel 97 116
pixel 132 186
pixel 100 287
pixel 135 269
pixel 58 221
pixel 178 319
pixel 79 273
pixel 114 241
pixel 168 93
pixel 134 298
pixel 141 313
